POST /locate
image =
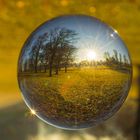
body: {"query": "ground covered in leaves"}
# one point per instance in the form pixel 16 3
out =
pixel 78 98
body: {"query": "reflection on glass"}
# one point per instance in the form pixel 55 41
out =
pixel 74 72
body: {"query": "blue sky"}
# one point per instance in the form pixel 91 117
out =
pixel 92 35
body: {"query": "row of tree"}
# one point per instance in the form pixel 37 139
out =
pixel 116 58
pixel 55 50
pixel 52 50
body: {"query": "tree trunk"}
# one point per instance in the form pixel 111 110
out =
pixel 35 67
pixel 51 64
pixel 50 70
pixel 137 125
pixel 36 59
pixel 35 63
pixel 56 70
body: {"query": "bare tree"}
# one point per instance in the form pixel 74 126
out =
pixel 58 38
pixel 49 50
pixel 68 56
pixel 116 56
pixel 115 59
pixel 107 57
pixel 36 50
pixel 120 58
pixel 58 59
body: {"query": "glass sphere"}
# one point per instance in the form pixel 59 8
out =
pixel 74 71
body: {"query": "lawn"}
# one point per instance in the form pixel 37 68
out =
pixel 78 98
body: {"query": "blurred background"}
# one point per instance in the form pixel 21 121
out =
pixel 18 18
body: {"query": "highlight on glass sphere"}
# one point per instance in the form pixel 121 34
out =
pixel 74 72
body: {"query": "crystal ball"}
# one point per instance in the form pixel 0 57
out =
pixel 74 72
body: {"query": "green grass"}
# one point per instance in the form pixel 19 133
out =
pixel 78 96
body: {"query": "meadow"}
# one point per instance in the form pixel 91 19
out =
pixel 80 97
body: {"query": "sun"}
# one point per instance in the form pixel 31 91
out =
pixel 91 55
